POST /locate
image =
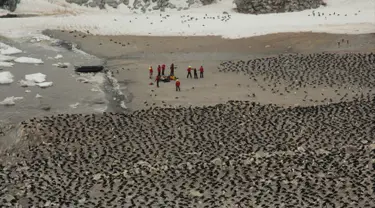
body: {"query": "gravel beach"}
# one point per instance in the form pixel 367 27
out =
pixel 283 120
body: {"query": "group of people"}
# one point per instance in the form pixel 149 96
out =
pixel 161 72
pixel 201 70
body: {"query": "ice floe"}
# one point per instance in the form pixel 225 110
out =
pixel 38 96
pixel 8 50
pixel 37 77
pixel 7 58
pixel 6 77
pixel 58 56
pixel 9 101
pixel 45 84
pixel 28 60
pixel 6 64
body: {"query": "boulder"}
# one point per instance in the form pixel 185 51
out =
pixel 277 6
pixel 10 5
pixel 207 2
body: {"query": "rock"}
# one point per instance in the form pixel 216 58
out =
pixel 195 193
pixel 79 2
pixel 97 176
pixel 206 2
pixel 10 5
pixel 63 44
pixel 217 161
pixel 266 6
pixel 45 107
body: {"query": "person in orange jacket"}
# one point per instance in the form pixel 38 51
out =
pixel 178 83
pixel 151 71
pixel 201 70
pixel 189 72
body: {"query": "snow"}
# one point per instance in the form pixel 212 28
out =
pixel 45 84
pixel 9 101
pixel 37 77
pixel 7 58
pixel 360 18
pixel 38 96
pixel 58 56
pixel 6 64
pixel 28 60
pixel 6 77
pixel 25 83
pixel 8 50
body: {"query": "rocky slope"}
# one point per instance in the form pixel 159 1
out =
pixel 275 6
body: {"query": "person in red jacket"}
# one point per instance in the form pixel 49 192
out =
pixel 201 70
pixel 178 85
pixel 189 72
pixel 157 81
pixel 159 70
pixel 150 71
pixel 162 69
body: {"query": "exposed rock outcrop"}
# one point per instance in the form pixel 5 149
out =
pixel 275 6
pixel 10 5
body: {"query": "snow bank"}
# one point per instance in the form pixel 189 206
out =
pixel 9 101
pixel 6 77
pixel 8 50
pixel 37 77
pixel 6 64
pixel 340 16
pixel 28 60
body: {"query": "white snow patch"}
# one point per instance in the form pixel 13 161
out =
pixel 38 96
pixel 26 83
pixel 58 56
pixel 7 58
pixel 6 64
pixel 9 101
pixel 28 60
pixel 27 91
pixel 354 17
pixel 74 105
pixel 8 50
pixel 6 77
pixel 37 77
pixel 45 84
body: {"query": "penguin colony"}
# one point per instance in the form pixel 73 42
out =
pixel 351 75
pixel 236 154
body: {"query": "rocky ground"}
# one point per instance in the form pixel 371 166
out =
pixel 291 130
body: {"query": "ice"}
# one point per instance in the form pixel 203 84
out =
pixel 38 96
pixel 45 84
pixel 28 60
pixel 8 50
pixel 103 22
pixel 7 58
pixel 25 83
pixel 6 64
pixel 9 101
pixel 6 77
pixel 37 77
pixel 58 56
pixel 75 105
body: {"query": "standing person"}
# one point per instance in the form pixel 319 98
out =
pixel 195 73
pixel 159 70
pixel 151 71
pixel 189 72
pixel 201 70
pixel 157 81
pixel 162 69
pixel 178 85
pixel 172 70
